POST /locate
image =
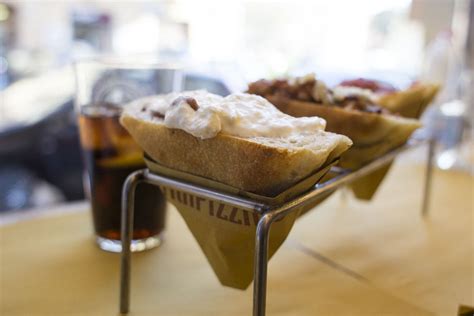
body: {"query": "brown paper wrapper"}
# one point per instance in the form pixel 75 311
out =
pixel 365 187
pixel 226 234
pixel 328 176
pixel 410 103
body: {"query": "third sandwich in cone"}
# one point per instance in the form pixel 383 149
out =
pixel 409 103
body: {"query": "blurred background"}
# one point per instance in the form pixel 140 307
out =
pixel 222 45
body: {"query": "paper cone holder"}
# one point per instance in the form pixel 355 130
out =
pixel 268 214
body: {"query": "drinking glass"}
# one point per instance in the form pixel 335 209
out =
pixel 110 154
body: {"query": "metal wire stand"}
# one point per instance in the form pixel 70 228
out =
pixel 267 213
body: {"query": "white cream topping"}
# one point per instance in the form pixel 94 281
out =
pixel 342 92
pixel 248 115
pixel 303 79
pixel 320 92
pixel 239 114
pixel 203 123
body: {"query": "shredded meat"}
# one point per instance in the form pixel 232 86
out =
pixel 304 91
pixel 282 88
pixel 157 114
pixel 355 103
pixel 190 101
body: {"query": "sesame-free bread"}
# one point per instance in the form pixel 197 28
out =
pixel 262 165
pixel 411 102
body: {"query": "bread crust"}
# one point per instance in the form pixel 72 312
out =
pixel 411 102
pixel 239 162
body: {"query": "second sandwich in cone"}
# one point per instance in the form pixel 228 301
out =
pixel 348 111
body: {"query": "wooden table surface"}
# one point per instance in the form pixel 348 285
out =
pixel 344 258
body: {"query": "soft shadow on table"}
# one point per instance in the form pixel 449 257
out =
pixel 55 269
pixel 427 262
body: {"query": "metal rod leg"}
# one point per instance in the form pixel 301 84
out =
pixel 428 177
pixel 128 199
pixel 260 265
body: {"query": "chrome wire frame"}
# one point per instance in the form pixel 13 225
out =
pixel 268 214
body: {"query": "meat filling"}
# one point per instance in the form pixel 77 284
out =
pixel 311 90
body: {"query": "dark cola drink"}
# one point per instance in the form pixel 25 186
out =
pixel 110 155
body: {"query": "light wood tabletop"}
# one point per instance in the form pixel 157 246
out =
pixel 346 257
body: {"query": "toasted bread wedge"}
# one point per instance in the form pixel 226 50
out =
pixel 411 102
pixel 263 165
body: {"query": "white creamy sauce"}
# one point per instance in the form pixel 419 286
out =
pixel 342 92
pixel 203 123
pixel 243 115
pixel 320 93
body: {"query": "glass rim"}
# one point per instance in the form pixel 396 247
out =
pixel 128 62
